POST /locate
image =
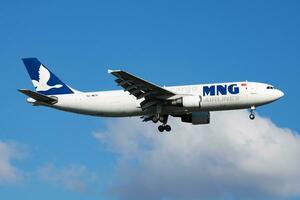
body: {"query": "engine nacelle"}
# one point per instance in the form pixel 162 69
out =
pixel 196 118
pixel 187 102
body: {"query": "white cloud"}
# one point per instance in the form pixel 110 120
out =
pixel 231 157
pixel 9 151
pixel 72 177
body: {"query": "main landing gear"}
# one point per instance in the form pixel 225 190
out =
pixel 252 115
pixel 163 119
pixel 163 127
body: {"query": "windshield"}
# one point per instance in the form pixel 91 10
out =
pixel 270 87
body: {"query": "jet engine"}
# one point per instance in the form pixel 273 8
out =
pixel 187 102
pixel 196 118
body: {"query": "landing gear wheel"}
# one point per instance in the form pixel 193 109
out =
pixel 162 119
pixel 155 119
pixel 252 110
pixel 168 128
pixel 161 128
pixel 252 116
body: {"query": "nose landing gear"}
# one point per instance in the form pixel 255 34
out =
pixel 252 115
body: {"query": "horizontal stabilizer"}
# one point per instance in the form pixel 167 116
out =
pixel 39 97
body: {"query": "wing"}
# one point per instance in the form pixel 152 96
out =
pixel 140 88
pixel 44 75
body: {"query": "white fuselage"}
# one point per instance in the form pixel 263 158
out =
pixel 214 97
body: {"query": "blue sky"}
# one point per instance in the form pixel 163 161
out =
pixel 166 42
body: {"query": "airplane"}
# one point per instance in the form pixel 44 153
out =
pixel 191 103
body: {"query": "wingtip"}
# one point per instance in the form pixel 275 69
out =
pixel 21 90
pixel 111 71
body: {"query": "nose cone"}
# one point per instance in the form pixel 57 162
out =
pixel 279 94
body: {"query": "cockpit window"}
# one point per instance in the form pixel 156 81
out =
pixel 270 87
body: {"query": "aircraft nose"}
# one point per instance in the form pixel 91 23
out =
pixel 279 94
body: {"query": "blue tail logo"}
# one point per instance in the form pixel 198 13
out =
pixel 44 81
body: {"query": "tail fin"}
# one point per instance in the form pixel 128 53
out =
pixel 44 81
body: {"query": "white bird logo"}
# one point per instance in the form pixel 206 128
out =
pixel 42 83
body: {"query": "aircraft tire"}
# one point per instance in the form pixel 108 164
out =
pixel 161 128
pixel 168 128
pixel 155 119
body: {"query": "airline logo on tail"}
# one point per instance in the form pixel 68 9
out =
pixel 44 81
